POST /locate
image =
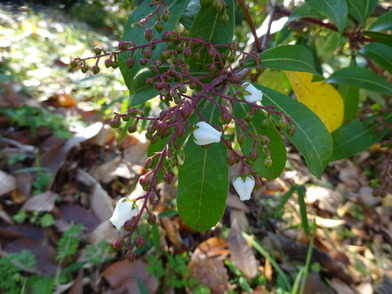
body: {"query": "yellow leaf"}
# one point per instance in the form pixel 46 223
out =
pixel 323 99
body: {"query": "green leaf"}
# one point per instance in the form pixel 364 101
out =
pixel 356 137
pixel 209 26
pixel 379 53
pixel 382 23
pixel 361 78
pixel 350 97
pixel 287 57
pixel 135 34
pixel 380 37
pixel 305 10
pixel 302 208
pixel 142 91
pixel 203 186
pixel 276 146
pixel 190 13
pixel 311 138
pixel 361 9
pixel 335 10
pixel 69 242
pixel 203 178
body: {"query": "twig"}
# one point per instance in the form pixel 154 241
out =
pixel 268 32
pixel 251 24
pixel 323 24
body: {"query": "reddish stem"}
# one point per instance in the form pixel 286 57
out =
pixel 251 24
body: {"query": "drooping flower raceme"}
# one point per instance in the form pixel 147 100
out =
pixel 206 134
pixel 124 211
pixel 244 186
pixel 254 94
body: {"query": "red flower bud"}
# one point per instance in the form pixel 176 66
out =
pixel 165 14
pixel 115 122
pixel 148 34
pixel 130 62
pixel 132 129
pixel 95 69
pixel 130 256
pixel 152 219
pixel 97 50
pixel 118 245
pixel 108 62
pixel 122 45
pixel 139 242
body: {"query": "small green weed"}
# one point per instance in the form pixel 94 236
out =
pixel 36 218
pixel 175 273
pixel 26 116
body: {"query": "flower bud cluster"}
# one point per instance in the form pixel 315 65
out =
pixel 181 91
pixel 126 217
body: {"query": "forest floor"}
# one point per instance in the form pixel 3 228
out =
pixel 62 169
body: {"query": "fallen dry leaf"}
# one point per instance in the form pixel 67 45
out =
pixel 7 183
pixel 104 173
pixel 172 233
pixel 234 201
pixel 122 276
pixel 100 202
pixel 314 284
pixel 298 251
pixel 54 158
pixel 104 136
pixel 104 231
pixel 75 214
pixel 42 202
pixel 326 199
pixel 340 287
pixel 241 254
pixel 210 272
pixel 213 247
pixel 77 286
pixel 240 217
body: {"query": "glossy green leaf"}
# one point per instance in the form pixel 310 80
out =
pixel 142 91
pixel 276 146
pixel 382 23
pixel 350 97
pixel 311 138
pixel 356 137
pixel 190 13
pixel 380 37
pixel 361 78
pixel 379 53
pixel 287 57
pixel 203 185
pixel 361 9
pixel 305 10
pixel 135 34
pixel 208 25
pixel 335 10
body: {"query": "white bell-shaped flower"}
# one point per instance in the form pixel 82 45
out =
pixel 254 93
pixel 244 186
pixel 206 134
pixel 125 210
